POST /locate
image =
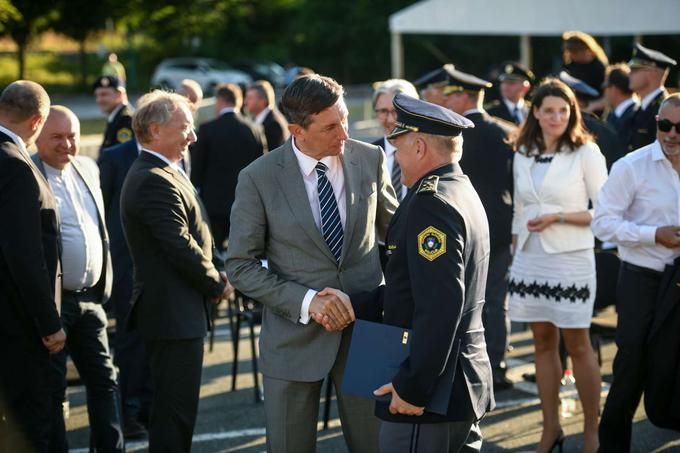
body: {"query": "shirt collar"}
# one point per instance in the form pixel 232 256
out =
pixel 259 118
pixel 389 147
pixel 657 152
pixel 16 139
pixel 511 105
pixel 307 163
pixel 227 110
pixel 472 111
pixel 115 111
pixel 618 111
pixel 162 157
pixel 650 97
pixel 51 171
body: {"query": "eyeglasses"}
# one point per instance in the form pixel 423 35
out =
pixel 385 112
pixel 667 125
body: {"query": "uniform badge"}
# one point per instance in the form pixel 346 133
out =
pixel 429 184
pixel 105 82
pixel 431 243
pixel 123 135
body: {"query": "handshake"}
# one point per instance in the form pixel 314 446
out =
pixel 332 309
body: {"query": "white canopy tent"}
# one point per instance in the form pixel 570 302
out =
pixel 531 18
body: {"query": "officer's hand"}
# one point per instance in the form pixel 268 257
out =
pixel 668 236
pixel 398 405
pixel 331 309
pixel 541 223
pixel 55 342
pixel 226 292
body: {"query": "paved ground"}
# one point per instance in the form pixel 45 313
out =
pixel 231 421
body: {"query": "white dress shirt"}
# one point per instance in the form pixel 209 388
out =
pixel 259 118
pixel 390 159
pixel 642 194
pixel 644 103
pixel 115 111
pixel 82 253
pixel 618 111
pixel 512 106
pixel 336 177
pixel 16 139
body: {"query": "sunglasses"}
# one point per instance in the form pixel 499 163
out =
pixel 667 125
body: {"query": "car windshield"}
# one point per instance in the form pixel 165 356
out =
pixel 219 65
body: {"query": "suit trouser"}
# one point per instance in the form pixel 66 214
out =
pixel 176 367
pixel 131 353
pixel 85 323
pixel 25 395
pixel 452 437
pixel 635 299
pixel 495 316
pixel 292 410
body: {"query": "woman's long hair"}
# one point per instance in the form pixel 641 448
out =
pixel 529 138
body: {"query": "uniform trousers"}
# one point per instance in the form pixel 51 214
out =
pixel 453 437
pixel 85 323
pixel 635 299
pixel 496 320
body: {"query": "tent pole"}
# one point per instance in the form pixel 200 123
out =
pixel 525 56
pixel 397 55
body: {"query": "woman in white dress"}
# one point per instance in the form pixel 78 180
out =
pixel 558 170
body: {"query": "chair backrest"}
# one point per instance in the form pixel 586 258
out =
pixel 607 265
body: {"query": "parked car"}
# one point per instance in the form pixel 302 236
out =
pixel 262 70
pixel 207 72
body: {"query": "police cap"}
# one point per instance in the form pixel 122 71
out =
pixel 461 81
pixel 579 87
pixel 511 70
pixel 644 57
pixel 107 81
pixel 414 115
pixel 437 78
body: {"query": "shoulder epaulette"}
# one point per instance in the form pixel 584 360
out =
pixel 492 104
pixel 428 185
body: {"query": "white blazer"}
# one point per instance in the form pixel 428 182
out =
pixel 573 179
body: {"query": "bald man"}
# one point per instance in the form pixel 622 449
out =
pixel 86 265
pixel 30 286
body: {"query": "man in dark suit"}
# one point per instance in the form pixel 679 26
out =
pixel 30 275
pixel 515 82
pixel 176 266
pixel 111 97
pixel 260 103
pixel 648 72
pixel 434 285
pixel 487 160
pixel 225 146
pixel 619 98
pixel 87 277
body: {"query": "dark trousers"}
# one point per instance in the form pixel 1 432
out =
pixel 131 355
pixel 452 437
pixel 25 395
pixel 495 316
pixel 635 295
pixel 219 226
pixel 176 367
pixel 85 322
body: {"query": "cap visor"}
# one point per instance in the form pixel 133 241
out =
pixel 396 132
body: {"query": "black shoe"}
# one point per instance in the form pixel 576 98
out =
pixel 529 377
pixel 133 429
pixel 502 383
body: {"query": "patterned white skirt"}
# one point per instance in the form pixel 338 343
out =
pixel 557 288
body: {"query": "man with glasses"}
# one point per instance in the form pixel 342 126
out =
pixel 648 72
pixel 637 209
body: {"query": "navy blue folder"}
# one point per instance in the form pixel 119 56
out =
pixel 375 355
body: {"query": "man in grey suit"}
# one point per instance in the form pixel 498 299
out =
pixel 175 264
pixel 315 208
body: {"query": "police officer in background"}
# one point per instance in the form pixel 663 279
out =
pixel 515 82
pixel 435 279
pixel 432 84
pixel 648 72
pixel 111 97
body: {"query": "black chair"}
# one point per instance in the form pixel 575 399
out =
pixel 607 264
pixel 249 311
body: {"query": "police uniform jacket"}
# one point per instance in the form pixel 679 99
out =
pixel 606 138
pixel 499 109
pixel 644 123
pixel 119 129
pixel 438 244
pixel 623 125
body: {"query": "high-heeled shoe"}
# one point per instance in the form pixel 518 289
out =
pixel 559 443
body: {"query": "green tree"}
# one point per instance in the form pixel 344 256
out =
pixel 23 20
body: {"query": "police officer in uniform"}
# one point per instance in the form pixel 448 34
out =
pixel 432 84
pixel 438 244
pixel 648 72
pixel 111 97
pixel 515 83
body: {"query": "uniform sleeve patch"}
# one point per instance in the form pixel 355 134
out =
pixel 123 135
pixel 431 243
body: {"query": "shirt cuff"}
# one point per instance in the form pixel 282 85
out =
pixel 304 309
pixel 648 235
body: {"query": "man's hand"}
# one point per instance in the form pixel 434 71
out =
pixel 398 405
pixel 55 342
pixel 668 236
pixel 541 223
pixel 332 309
pixel 228 289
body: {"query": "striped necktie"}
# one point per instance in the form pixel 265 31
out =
pixel 331 226
pixel 396 178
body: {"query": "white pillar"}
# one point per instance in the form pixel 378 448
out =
pixel 525 56
pixel 397 55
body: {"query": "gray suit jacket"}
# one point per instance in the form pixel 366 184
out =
pixel 88 170
pixel 271 217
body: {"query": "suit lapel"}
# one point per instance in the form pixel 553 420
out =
pixel 88 184
pixel 293 188
pixel 352 173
